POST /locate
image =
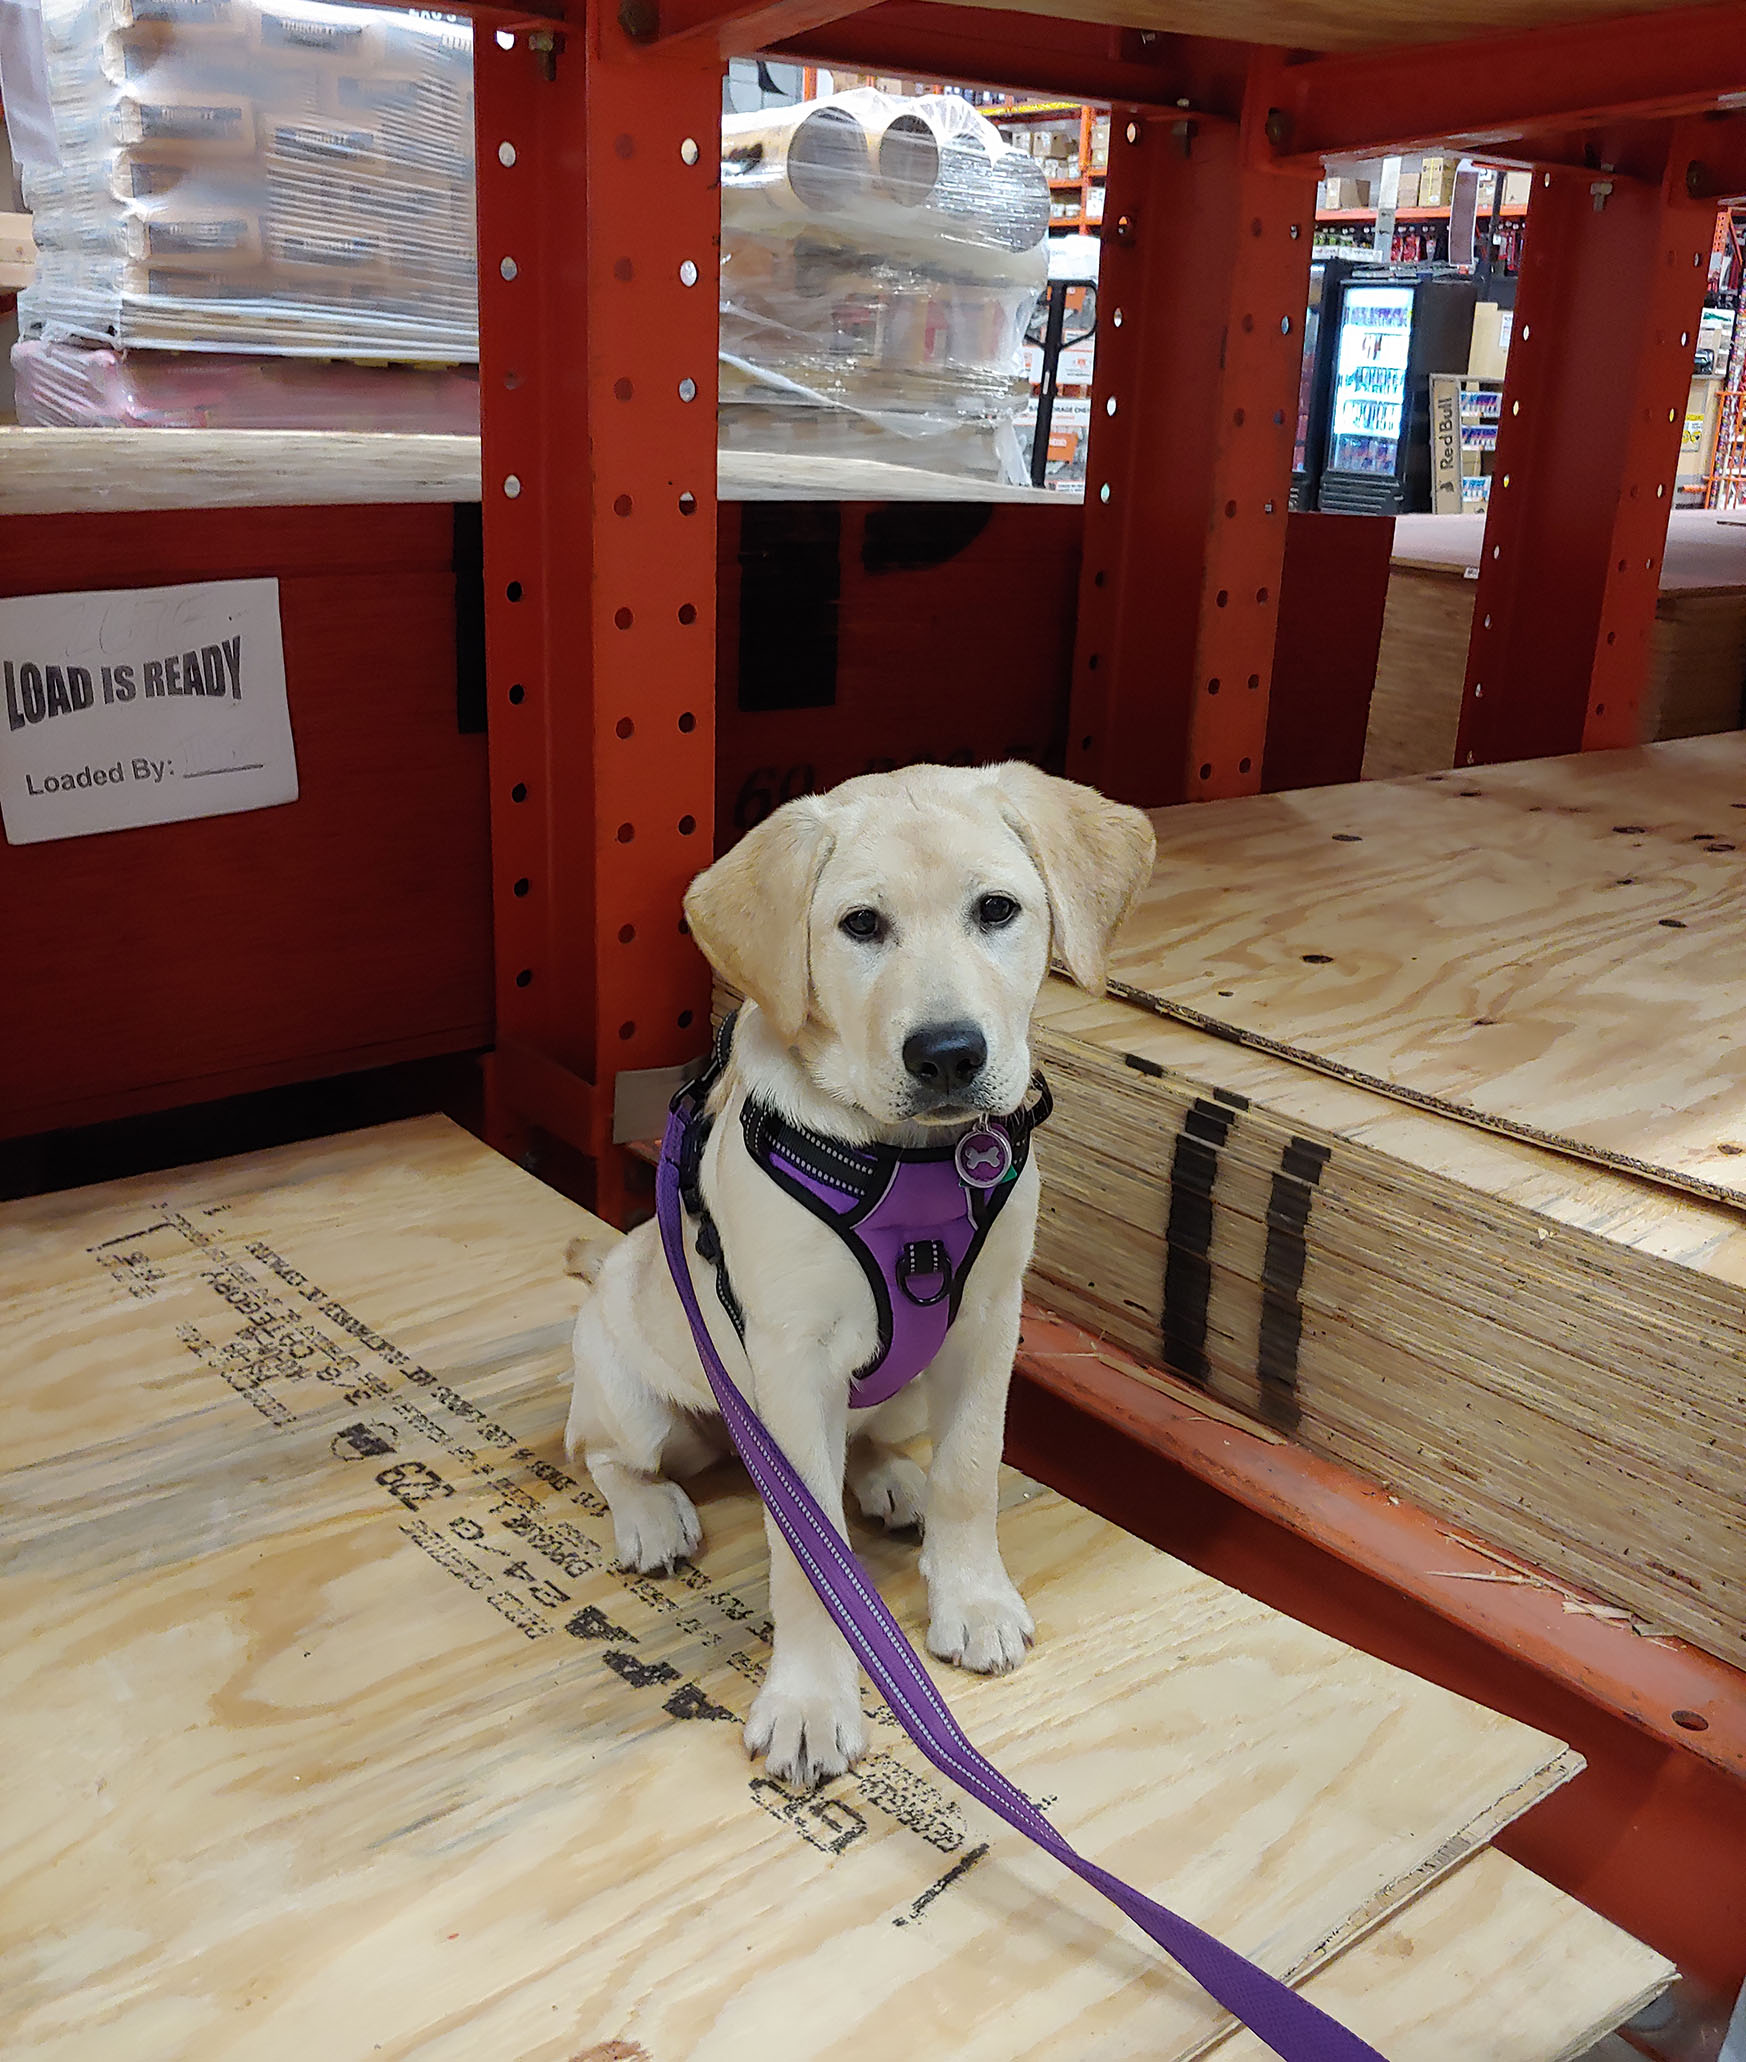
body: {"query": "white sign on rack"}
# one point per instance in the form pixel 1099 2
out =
pixel 141 705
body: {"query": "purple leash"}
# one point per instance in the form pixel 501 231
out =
pixel 1292 2027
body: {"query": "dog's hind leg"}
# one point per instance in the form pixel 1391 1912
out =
pixel 888 1486
pixel 625 1433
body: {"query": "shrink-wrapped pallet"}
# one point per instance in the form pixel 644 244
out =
pixel 880 259
pixel 257 175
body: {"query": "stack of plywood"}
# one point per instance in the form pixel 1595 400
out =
pixel 1697 653
pixel 1416 1124
pixel 344 1736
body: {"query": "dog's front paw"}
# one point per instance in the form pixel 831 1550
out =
pixel 986 1633
pixel 806 1737
pixel 654 1524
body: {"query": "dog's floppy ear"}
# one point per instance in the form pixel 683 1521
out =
pixel 749 911
pixel 1094 855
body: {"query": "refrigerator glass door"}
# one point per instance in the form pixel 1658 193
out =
pixel 1370 371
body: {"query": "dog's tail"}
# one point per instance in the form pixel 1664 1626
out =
pixel 583 1257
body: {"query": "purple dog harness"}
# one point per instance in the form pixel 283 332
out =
pixel 851 1187
pixel 915 1218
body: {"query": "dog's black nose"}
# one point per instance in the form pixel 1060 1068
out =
pixel 945 1057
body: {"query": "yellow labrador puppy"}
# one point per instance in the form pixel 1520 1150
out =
pixel 891 938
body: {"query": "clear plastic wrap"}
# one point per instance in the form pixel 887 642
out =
pixel 257 175
pixel 880 259
pixel 83 386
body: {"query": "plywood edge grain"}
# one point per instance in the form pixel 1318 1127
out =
pixel 83 471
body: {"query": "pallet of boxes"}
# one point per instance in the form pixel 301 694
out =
pixel 262 218
pixel 881 257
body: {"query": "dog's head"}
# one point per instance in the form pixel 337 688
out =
pixel 896 931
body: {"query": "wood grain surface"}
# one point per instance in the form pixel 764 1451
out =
pixel 1547 1353
pixel 1332 24
pixel 49 471
pixel 330 1729
pixel 1555 950
pixel 1491 1965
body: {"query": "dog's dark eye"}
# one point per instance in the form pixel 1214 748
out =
pixel 865 924
pixel 992 911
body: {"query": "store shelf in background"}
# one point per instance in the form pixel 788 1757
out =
pixel 1411 214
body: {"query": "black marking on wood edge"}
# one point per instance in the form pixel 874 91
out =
pixel 1194 1171
pixel 1281 1332
pixel 933 1890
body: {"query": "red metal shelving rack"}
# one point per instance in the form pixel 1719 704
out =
pixel 599 228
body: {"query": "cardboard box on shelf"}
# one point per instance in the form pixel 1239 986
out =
pixel 1436 181
pixel 1517 186
pixel 1344 193
pixel 1488 353
pixel 1408 196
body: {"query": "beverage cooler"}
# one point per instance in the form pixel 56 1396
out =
pixel 1327 277
pixel 1392 329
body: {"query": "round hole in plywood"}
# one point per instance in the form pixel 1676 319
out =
pixel 1206 772
pixel 518 793
pixel 688 152
pixel 622 390
pixel 623 618
pixel 687 272
pixel 627 934
pixel 627 1030
pixel 1213 685
pixel 518 694
pixel 522 886
pixel 513 591
pixel 625 727
pixel 1222 597
pixel 688 504
pixel 685 1020
pixel 622 505
pixel 688 722
pixel 687 824
pixel 1691 1721
pixel 506 153
pixel 1243 765
pixel 524 978
pixel 687 612
pixel 1254 681
pixel 626 832
pixel 688 390
pixel 507 267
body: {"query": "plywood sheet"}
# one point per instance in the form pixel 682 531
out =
pixel 343 1738
pixel 1331 24
pixel 1491 1965
pixel 1522 1343
pixel 1555 950
pixel 1704 552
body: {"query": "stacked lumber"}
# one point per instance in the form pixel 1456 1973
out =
pixel 1416 1125
pixel 1697 648
pixel 323 1674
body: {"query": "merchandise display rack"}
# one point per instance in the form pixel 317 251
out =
pixel 599 230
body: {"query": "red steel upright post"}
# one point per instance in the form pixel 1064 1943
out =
pixel 1612 284
pixel 599 228
pixel 1204 282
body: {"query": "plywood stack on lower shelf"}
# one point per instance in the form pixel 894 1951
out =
pixel 344 1734
pixel 1418 1127
pixel 1697 653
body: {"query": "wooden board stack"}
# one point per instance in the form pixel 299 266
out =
pixel 1697 649
pixel 343 1734
pixel 1419 1128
